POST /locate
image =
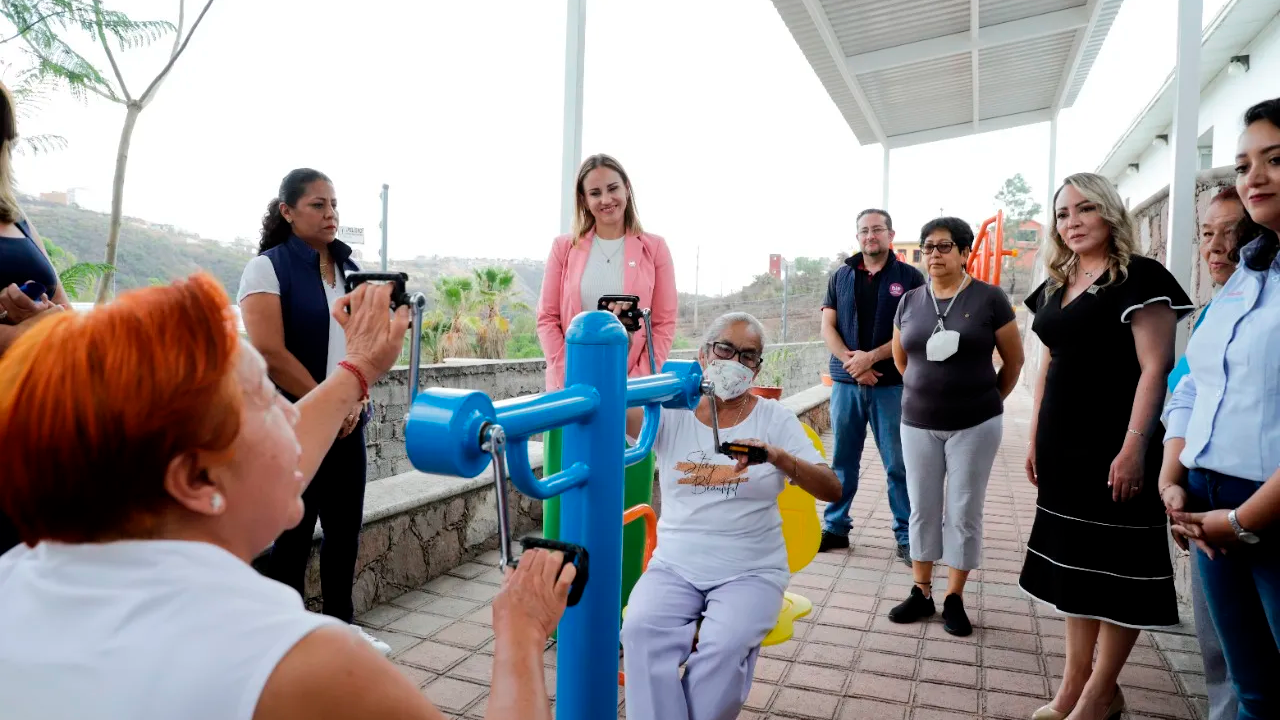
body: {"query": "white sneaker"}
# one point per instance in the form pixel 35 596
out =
pixel 377 644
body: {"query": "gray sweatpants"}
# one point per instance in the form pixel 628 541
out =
pixel 951 469
pixel 657 635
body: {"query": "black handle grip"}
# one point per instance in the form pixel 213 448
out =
pixel 575 554
pixel 630 318
pixel 754 454
pixel 399 296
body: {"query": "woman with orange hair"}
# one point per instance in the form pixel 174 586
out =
pixel 148 459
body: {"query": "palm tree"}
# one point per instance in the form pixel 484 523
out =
pixel 496 289
pixel 77 278
pixel 456 300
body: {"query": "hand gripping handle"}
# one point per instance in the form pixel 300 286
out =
pixel 495 441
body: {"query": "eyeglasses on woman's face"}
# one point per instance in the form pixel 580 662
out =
pixel 942 248
pixel 750 357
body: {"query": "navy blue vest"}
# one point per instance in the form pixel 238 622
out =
pixel 303 305
pixel 897 278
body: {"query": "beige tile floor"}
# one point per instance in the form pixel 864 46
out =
pixel 847 661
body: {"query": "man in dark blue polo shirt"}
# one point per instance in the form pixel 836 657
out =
pixel 857 326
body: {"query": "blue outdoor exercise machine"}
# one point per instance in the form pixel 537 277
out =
pixel 459 432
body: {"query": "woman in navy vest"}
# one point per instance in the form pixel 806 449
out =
pixel 22 260
pixel 285 297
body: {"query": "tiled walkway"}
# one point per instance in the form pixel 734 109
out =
pixel 848 662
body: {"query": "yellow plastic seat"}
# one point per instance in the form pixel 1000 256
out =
pixel 801 532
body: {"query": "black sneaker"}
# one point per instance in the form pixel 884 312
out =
pixel 832 541
pixel 915 607
pixel 904 554
pixel 954 619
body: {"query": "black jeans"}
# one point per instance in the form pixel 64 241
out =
pixel 336 496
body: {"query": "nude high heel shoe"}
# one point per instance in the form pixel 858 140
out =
pixel 1048 713
pixel 1117 706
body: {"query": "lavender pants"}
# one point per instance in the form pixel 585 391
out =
pixel 657 636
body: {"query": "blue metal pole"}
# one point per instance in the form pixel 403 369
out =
pixel 591 516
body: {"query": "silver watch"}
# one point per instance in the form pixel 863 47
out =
pixel 1244 535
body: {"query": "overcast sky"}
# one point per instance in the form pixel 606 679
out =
pixel 731 141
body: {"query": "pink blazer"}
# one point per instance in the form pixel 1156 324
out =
pixel 649 274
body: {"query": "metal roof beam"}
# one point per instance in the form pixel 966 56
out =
pixel 1036 26
pixel 822 24
pixel 973 58
pixel 1077 49
pixel 1003 122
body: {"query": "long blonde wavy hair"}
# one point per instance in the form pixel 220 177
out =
pixel 9 210
pixel 583 221
pixel 1061 263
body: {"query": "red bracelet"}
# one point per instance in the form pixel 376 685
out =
pixel 364 384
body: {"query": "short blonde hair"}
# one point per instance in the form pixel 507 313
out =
pixel 1061 263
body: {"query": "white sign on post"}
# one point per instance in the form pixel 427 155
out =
pixel 351 235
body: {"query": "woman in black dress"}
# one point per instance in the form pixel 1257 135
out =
pixel 1098 551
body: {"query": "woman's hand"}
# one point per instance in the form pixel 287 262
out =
pixel 353 419
pixel 16 307
pixel 374 339
pixel 1174 498
pixel 1126 476
pixel 1208 530
pixel 534 594
pixel 774 456
pixel 1032 477
pixel 617 308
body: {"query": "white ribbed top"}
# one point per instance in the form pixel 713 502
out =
pixel 604 272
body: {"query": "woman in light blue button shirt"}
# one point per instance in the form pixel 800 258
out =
pixel 1222 447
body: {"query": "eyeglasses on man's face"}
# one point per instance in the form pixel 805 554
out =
pixel 942 248
pixel 749 357
pixel 878 231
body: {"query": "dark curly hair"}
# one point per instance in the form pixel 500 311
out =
pixel 1261 257
pixel 274 228
pixel 961 233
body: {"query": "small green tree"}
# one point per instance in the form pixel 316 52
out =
pixel 495 291
pixel 455 299
pixel 42 24
pixel 77 278
pixel 1019 206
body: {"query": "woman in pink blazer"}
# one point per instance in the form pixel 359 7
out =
pixel 606 254
pixel 585 265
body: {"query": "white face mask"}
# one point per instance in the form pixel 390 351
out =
pixel 943 343
pixel 729 378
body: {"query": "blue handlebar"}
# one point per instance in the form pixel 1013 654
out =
pixel 648 434
pixel 548 487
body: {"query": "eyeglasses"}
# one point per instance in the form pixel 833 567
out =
pixel 878 230
pixel 726 351
pixel 943 248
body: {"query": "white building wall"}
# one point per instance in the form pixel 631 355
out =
pixel 1222 105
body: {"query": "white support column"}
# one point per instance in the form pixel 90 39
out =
pixel 884 181
pixel 571 155
pixel 1186 121
pixel 1053 172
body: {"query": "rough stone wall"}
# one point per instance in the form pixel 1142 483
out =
pixel 1152 218
pixel 402 552
pixel 802 369
pixel 384 435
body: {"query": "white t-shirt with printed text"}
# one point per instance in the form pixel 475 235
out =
pixel 717 525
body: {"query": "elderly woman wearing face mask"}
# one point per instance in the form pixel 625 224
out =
pixel 721 558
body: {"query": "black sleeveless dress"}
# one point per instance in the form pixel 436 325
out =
pixel 20 261
pixel 1088 555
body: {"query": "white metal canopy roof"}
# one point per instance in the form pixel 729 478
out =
pixel 905 72
pixel 1230 32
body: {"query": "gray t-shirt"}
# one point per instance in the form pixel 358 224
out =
pixel 959 392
